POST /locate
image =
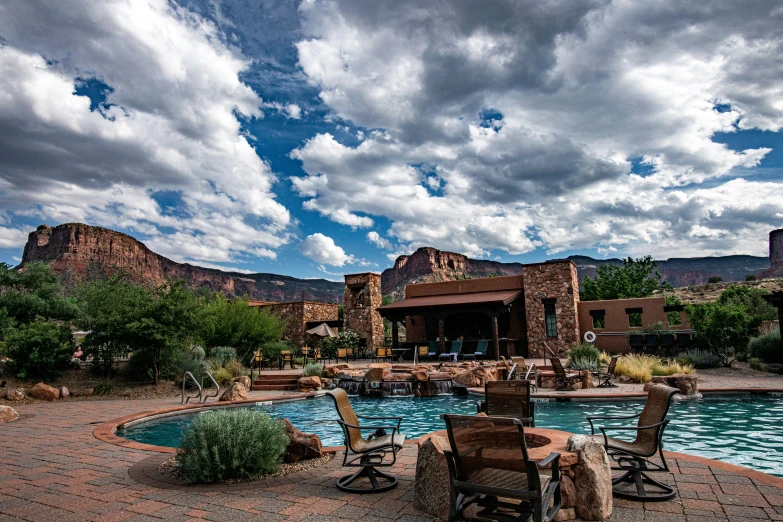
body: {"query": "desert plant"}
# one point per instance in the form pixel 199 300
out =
pixel 312 370
pixel 235 367
pixel 198 352
pixel 768 346
pixel 184 361
pixel 103 387
pixel 700 358
pixel 41 349
pixel 222 376
pixel 222 354
pixel 584 363
pixel 585 350
pixel 670 368
pixel 231 444
pixel 638 367
pixel 758 364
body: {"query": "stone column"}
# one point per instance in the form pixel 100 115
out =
pixel 495 337
pixel 442 335
pixel 395 333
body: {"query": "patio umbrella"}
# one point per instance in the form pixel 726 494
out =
pixel 323 330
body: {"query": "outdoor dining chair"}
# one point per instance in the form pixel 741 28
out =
pixel 636 342
pixel 508 399
pixel 367 454
pixel 383 354
pixel 633 457
pixel 651 343
pixel 287 356
pixel 605 376
pixel 564 381
pixel 489 466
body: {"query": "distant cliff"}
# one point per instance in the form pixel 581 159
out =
pixel 85 250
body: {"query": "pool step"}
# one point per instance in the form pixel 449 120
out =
pixel 276 382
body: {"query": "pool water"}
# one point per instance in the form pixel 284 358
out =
pixel 740 430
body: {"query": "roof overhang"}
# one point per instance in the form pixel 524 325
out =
pixel 481 301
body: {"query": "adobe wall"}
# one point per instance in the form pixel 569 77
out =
pixel 612 337
pixel 364 320
pixel 484 284
pixel 554 280
pixel 297 314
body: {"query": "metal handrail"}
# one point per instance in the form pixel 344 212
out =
pixel 512 372
pixel 530 369
pixel 217 387
pixel 186 399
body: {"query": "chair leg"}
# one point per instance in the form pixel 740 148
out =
pixel 635 473
pixel 372 475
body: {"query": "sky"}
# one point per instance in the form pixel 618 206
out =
pixel 315 138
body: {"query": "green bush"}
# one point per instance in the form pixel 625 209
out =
pixel 312 370
pixel 184 361
pixel 39 350
pixel 758 364
pixel 198 352
pixel 103 387
pixel 700 359
pixel 584 363
pixel 585 351
pixel 658 328
pixel 222 354
pixel 231 444
pixel 235 367
pixel 273 349
pixel 767 347
pixel 345 339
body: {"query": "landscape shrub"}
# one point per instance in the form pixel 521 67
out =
pixel 272 349
pixel 39 350
pixel 103 387
pixel 231 444
pixel 222 354
pixel 758 364
pixel 312 370
pixel 670 368
pixel 184 361
pixel 584 363
pixel 198 352
pixel 642 368
pixel 235 367
pixel 584 357
pixel 700 359
pixel 222 376
pixel 345 339
pixel 767 347
pixel 658 328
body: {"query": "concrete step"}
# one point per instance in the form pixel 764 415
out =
pixel 277 387
pixel 287 382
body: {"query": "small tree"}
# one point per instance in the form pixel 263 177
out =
pixel 714 279
pixel 757 309
pixel 31 292
pixel 723 326
pixel 39 350
pixel 636 278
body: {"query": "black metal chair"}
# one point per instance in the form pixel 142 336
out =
pixel 636 342
pixel 563 380
pixel 508 399
pixel 667 344
pixel 651 343
pixel 605 376
pixel 367 454
pixel 683 341
pixel 489 466
pixel 633 457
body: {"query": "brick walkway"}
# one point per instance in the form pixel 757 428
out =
pixel 52 468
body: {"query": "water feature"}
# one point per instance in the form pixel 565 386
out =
pixel 741 430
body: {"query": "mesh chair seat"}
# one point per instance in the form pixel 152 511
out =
pixel 385 442
pixel 514 482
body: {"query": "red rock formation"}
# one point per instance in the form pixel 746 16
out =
pixel 80 248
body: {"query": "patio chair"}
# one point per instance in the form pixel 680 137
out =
pixel 456 348
pixel 633 457
pixel 481 351
pixel 651 343
pixel 636 342
pixel 508 399
pixel 286 356
pixel 489 466
pixel 563 380
pixel 306 353
pixel 605 376
pixel 383 354
pixel 367 454
pixel 319 357
pixel 423 351
pixel 432 351
pixel 667 344
pixel 683 342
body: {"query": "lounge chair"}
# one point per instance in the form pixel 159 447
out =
pixel 481 350
pixel 456 348
pixel 489 466
pixel 367 454
pixel 563 380
pixel 633 457
pixel 433 350
pixel 605 376
pixel 508 399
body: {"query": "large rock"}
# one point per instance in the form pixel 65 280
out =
pixel 8 414
pixel 398 377
pixel 309 383
pixel 88 392
pixel 386 366
pixel 687 384
pixel 237 391
pixel 15 394
pixel 375 374
pixel 475 377
pixel 64 393
pixel 587 379
pixel 244 379
pixel 301 446
pixel 593 482
pixel 568 490
pixel 42 392
pixel 331 370
pixel 420 375
pixel 431 488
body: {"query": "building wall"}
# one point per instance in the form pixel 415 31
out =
pixel 364 320
pixel 613 336
pixel 484 284
pixel 297 313
pixel 554 280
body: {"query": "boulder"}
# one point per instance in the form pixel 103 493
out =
pixel 309 383
pixel 301 446
pixel 687 384
pixel 593 482
pixel 237 391
pixel 420 375
pixel 331 370
pixel 244 379
pixel 42 392
pixel 64 393
pixel 398 377
pixel 565 514
pixel 83 393
pixel 467 379
pixel 587 379
pixel 575 443
pixel 386 366
pixel 431 486
pixel 8 414
pixel 15 394
pixel 568 491
pixel 375 374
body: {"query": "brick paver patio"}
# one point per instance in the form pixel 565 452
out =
pixel 53 469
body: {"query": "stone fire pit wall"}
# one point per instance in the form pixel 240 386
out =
pixel 586 478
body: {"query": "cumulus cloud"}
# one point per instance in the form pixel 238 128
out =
pixel 323 250
pixel 376 239
pixel 169 123
pixel 12 237
pixel 509 127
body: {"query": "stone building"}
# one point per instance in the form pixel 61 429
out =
pixel 300 316
pixel 361 301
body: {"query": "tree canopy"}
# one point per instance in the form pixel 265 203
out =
pixel 636 278
pixel 31 292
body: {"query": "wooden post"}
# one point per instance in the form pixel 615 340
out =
pixel 442 335
pixel 495 337
pixel 395 333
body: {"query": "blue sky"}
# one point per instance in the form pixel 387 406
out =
pixel 320 138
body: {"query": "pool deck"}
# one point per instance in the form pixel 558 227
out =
pixel 53 468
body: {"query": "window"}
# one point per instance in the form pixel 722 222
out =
pixel 673 314
pixel 599 318
pixel 634 317
pixel 550 318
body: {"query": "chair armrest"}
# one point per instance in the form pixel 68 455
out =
pixel 622 417
pixel 398 419
pixel 551 459
pixel 634 428
pixel 367 427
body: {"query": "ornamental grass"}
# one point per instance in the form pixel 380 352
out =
pixel 642 368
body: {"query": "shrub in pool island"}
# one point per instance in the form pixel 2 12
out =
pixel 231 444
pixel 641 368
pixel 584 357
pixel 312 370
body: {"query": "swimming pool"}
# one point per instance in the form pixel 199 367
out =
pixel 743 430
